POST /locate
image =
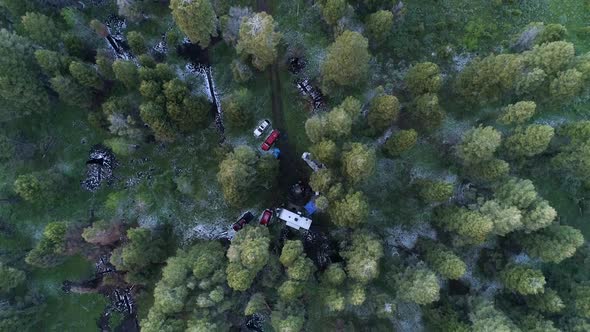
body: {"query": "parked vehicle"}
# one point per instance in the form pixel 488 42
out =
pixel 313 164
pixel 264 124
pixel 270 140
pixel 244 219
pixel 266 216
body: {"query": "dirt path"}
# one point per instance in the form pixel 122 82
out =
pixel 290 165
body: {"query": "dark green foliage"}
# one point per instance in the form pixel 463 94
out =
pixel 237 108
pixel 42 30
pixel 70 92
pixel 434 191
pixel 418 285
pixel 362 257
pixel 427 114
pixel 551 32
pixel 424 78
pixel 154 116
pixel 347 61
pixel 86 75
pixel 52 62
pixel 20 86
pixel 247 255
pixel 486 80
pixel 196 19
pixel 384 110
pixel 554 243
pixel 443 261
pixel 139 256
pixel 193 281
pixel 136 42
pixel 333 10
pixel 400 142
pixel 523 280
pixel 351 211
pixel 10 278
pixel 529 141
pixel 379 25
pixel 50 249
pixel 126 72
pixel 472 226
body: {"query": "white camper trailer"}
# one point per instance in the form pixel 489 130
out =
pixel 293 219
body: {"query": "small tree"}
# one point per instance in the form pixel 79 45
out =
pixel 547 302
pixel 379 25
pixel 444 261
pixel 554 243
pixel 10 278
pixel 358 163
pixel 321 180
pixel 42 30
pixel 347 61
pixel 196 18
pixel 552 57
pixel 523 280
pixel 333 10
pixel 434 191
pixel 506 219
pixel 489 170
pixel 384 111
pixel 315 128
pixel 86 75
pixel 237 174
pixel 516 192
pixel 351 211
pixel 427 114
pixel 400 142
pixel 424 78
pixel 338 124
pixel 479 144
pixel 362 257
pixel 136 42
pixel 126 72
pixel 51 62
pixel 247 254
pixel 581 295
pixel 529 141
pixel 567 84
pixel 325 152
pixel 517 113
pixel 259 39
pixel 418 285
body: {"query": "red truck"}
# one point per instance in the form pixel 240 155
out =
pixel 266 216
pixel 270 140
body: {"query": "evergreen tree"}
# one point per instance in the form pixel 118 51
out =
pixel 333 10
pixel 358 163
pixel 529 141
pixel 379 25
pixel 400 142
pixel 418 285
pixel 444 261
pixel 347 61
pixel 362 257
pixel 517 113
pixel 479 144
pixel 196 19
pixel 554 243
pixel 259 39
pixel 86 75
pixel 384 111
pixel 247 254
pixel 42 30
pixel 424 78
pixel 21 90
pixel 351 211
pixel 523 280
